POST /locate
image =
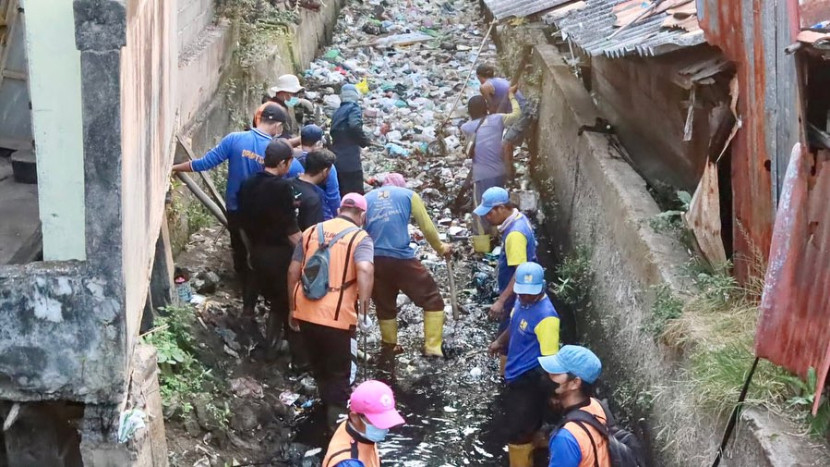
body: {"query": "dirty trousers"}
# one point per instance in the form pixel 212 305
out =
pixel 240 260
pixel 393 275
pixel 333 356
pixel 350 182
pixel 270 278
pixel 525 406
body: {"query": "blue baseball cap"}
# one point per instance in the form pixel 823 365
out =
pixel 495 196
pixel 575 360
pixel 530 279
pixel 311 134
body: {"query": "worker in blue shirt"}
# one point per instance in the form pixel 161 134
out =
pixel 244 151
pixel 397 269
pixel 311 138
pixel 533 332
pixel 518 246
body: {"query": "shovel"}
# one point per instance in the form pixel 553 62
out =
pixel 456 312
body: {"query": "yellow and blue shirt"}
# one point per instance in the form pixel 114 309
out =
pixel 519 246
pixel 534 332
pixel 387 221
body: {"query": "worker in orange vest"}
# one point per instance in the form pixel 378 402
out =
pixel 572 376
pixel 323 305
pixel 371 414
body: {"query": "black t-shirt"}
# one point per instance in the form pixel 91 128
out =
pixel 309 203
pixel 266 203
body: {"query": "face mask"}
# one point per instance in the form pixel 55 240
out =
pixel 548 386
pixel 292 102
pixel 373 433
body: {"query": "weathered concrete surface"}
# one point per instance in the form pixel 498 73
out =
pixel 148 446
pixel 765 440
pixel 67 328
pixel 600 202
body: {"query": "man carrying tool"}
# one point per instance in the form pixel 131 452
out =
pixel 371 414
pixel 348 137
pixel 311 138
pixel 244 151
pixel 266 205
pixel 334 260
pixel 490 167
pixel 495 91
pixel 518 246
pixel 397 269
pixel 533 332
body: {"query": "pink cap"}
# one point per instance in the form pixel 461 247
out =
pixel 376 402
pixel 394 179
pixel 353 200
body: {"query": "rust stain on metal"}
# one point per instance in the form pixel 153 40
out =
pixel 735 27
pixel 794 326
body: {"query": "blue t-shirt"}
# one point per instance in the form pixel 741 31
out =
pixel 516 223
pixel 564 449
pixel 245 152
pixel 531 325
pixel 331 186
pixel 387 221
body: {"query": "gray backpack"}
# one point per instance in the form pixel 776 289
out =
pixel 315 276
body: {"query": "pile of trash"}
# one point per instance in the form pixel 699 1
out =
pixel 412 62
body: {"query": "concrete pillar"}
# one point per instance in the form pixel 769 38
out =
pixel 147 447
pixel 55 89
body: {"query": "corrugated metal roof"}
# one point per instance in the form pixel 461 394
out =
pixel 519 8
pixel 592 28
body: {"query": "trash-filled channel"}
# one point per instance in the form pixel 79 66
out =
pixel 411 60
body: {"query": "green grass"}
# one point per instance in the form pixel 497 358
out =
pixel 182 377
pixel 716 329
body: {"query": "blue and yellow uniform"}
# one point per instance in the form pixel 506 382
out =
pixel 518 246
pixel 534 332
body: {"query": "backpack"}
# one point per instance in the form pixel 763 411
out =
pixel 315 277
pixel 624 449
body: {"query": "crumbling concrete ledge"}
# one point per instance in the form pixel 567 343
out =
pixel 600 202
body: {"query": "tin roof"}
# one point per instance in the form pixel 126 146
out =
pixel 506 8
pixel 618 28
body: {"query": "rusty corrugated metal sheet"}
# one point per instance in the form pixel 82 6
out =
pixel 813 12
pixel 754 36
pixel 794 327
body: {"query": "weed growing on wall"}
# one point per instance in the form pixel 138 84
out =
pixel 573 278
pixel 666 307
pixel 182 378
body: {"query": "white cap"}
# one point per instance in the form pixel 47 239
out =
pixel 286 83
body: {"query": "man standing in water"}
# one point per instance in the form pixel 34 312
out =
pixel 533 332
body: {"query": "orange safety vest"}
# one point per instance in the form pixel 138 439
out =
pixel 343 447
pixel 337 309
pixel 588 442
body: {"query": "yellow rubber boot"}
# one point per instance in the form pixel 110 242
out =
pixel 389 336
pixel 389 331
pixel 433 333
pixel 521 455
